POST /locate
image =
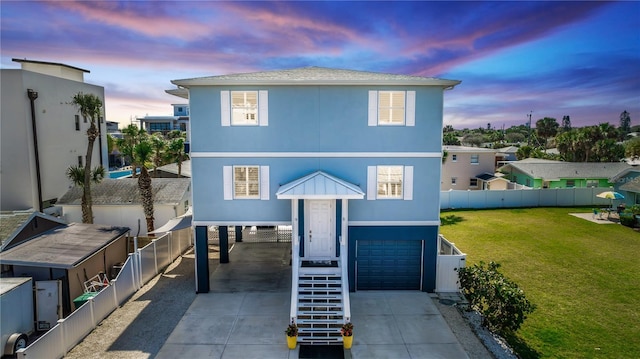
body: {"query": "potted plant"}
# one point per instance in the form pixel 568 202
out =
pixel 347 335
pixel 292 335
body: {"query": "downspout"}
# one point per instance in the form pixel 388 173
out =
pixel 100 140
pixel 32 98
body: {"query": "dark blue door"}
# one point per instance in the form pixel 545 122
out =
pixel 388 264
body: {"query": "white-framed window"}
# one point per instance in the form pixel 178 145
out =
pixel 245 182
pixel 392 108
pixel 475 159
pixel 473 182
pixel 244 108
pixel 454 158
pixel 454 180
pixel 390 182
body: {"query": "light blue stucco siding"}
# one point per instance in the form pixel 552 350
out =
pixel 209 203
pixel 316 118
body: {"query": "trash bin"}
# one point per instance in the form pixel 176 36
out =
pixel 115 269
pixel 78 302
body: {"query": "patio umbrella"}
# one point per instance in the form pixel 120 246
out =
pixel 610 195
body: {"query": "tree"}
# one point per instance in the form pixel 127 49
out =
pixel 176 154
pixel 566 123
pixel 474 139
pixel 632 148
pixel 159 145
pixel 545 128
pixel 625 123
pixel 89 106
pixel 449 139
pixel 143 152
pixel 523 152
pixel 76 175
pixel 132 135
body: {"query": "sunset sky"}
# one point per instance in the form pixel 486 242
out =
pixel 580 59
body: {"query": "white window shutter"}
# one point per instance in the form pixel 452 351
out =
pixel 373 108
pixel 227 174
pixel 372 182
pixel 263 108
pixel 407 191
pixel 225 108
pixel 264 183
pixel 411 108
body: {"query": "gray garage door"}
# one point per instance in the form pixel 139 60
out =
pixel 388 264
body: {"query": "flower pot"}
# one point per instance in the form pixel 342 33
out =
pixel 292 342
pixel 347 341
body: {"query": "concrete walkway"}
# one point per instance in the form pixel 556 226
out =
pixel 246 313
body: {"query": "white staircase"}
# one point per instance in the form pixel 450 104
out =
pixel 320 305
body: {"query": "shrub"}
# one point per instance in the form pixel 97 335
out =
pixel 500 301
pixel 628 218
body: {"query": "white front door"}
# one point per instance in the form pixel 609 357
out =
pixel 319 228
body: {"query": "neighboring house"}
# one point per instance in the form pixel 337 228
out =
pixel 350 159
pixel 42 134
pixel 165 124
pixel 171 170
pixel 19 226
pixel 627 182
pixel 117 202
pixel 539 173
pixel 469 168
pixel 507 154
pixel 45 249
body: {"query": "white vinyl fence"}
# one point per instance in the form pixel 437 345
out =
pixel 139 268
pixel 549 197
pixel 449 260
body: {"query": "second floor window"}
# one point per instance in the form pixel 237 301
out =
pixel 246 182
pixel 391 108
pixel 77 122
pixel 475 159
pixel 244 107
pixel 454 158
pixel 390 181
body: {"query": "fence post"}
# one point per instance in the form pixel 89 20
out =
pixel 63 336
pixel 93 317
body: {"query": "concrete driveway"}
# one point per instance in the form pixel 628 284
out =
pixel 246 313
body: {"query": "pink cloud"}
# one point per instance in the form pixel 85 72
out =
pixel 126 16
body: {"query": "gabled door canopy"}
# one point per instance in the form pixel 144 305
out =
pixel 319 185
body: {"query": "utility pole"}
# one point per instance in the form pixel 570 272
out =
pixel 529 137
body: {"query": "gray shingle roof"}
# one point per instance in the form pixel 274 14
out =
pixel 63 247
pixel 632 186
pixel 557 170
pixel 315 76
pixel 10 222
pixel 125 191
pixel 468 149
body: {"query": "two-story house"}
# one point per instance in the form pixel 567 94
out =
pixel 164 124
pixel 42 134
pixel 470 168
pixel 350 159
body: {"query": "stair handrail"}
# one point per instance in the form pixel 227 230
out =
pixel 345 281
pixel 295 269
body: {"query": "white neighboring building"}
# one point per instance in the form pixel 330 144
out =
pixel 117 202
pixel 33 166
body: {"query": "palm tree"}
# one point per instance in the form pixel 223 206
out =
pixel 143 152
pixel 132 135
pixel 159 145
pixel 546 127
pixel 76 175
pixel 176 154
pixel 89 106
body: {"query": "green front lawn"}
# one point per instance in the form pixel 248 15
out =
pixel 584 277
